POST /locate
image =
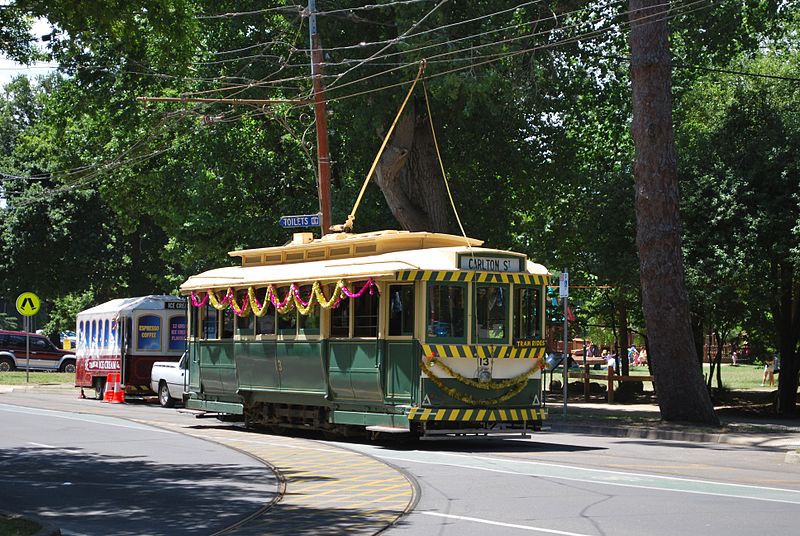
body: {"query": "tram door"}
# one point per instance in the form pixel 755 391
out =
pixel 400 351
pixel 355 350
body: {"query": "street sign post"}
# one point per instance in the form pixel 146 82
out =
pixel 301 220
pixel 28 305
pixel 563 291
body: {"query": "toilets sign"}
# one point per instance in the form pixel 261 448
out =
pixel 303 220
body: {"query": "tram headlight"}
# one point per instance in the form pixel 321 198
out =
pixel 484 375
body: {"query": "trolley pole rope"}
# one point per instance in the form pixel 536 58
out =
pixel 348 225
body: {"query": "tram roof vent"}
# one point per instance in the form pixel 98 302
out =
pixel 302 238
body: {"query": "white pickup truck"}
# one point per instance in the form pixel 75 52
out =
pixel 167 379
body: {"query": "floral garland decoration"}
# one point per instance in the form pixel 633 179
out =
pixel 199 303
pixel 487 386
pixel 244 310
pixel 467 399
pixel 290 301
pixel 215 301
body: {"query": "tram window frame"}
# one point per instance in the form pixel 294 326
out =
pixel 429 331
pixel 407 305
pixel 339 330
pixel 260 322
pixel 519 332
pixel 476 313
pixel 303 321
pixel 244 326
pixel 227 324
pixel 205 325
pixel 366 330
pixel 348 308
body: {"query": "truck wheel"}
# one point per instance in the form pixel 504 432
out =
pixel 99 388
pixel 164 399
pixel 6 364
pixel 67 366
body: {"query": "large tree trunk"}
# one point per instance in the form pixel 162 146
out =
pixel 410 178
pixel 786 318
pixel 682 394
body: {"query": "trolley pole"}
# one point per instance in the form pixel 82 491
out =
pixel 564 293
pixel 321 120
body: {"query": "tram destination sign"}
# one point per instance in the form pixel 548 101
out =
pixel 302 220
pixel 490 264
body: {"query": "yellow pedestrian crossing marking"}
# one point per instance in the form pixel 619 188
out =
pixel 357 492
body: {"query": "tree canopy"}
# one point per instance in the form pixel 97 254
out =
pixel 530 102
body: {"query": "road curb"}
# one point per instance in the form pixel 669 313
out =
pixel 632 432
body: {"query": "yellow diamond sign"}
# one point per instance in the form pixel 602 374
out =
pixel 28 304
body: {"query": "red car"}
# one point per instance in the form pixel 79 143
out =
pixel 43 353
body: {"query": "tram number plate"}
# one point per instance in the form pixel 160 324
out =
pixel 484 361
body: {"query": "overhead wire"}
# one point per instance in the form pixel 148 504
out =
pixel 101 168
pixel 501 56
pixel 411 29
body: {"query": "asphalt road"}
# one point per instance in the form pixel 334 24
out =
pixel 100 475
pixel 574 485
pixel 564 484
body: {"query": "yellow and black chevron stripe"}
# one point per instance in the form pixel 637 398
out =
pixel 467 276
pixel 477 414
pixel 482 352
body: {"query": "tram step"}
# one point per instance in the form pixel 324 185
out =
pixel 388 429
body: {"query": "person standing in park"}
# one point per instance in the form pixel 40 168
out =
pixel 769 372
pixel 633 355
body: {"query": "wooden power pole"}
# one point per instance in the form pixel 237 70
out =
pixel 323 154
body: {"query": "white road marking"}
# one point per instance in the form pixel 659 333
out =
pixel 611 478
pixel 501 524
pixel 53 447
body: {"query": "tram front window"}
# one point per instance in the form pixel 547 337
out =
pixel 446 312
pixel 526 314
pixel 491 314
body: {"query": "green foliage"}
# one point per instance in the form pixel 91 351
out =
pixel 8 322
pixel 65 309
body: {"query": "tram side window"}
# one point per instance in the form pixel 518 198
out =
pixel 491 313
pixel 210 323
pixel 401 310
pixel 265 324
pixel 365 314
pixel 244 324
pixel 309 324
pixel 446 311
pixel 287 321
pixel 526 314
pixel 340 319
pixel 105 334
pixel 228 321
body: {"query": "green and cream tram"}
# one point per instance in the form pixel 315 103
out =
pixel 390 331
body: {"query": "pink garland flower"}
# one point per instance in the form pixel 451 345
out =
pixel 199 303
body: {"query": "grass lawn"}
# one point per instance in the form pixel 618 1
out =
pixel 738 377
pixel 39 378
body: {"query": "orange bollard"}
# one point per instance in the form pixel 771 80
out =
pixel 118 395
pixel 110 379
